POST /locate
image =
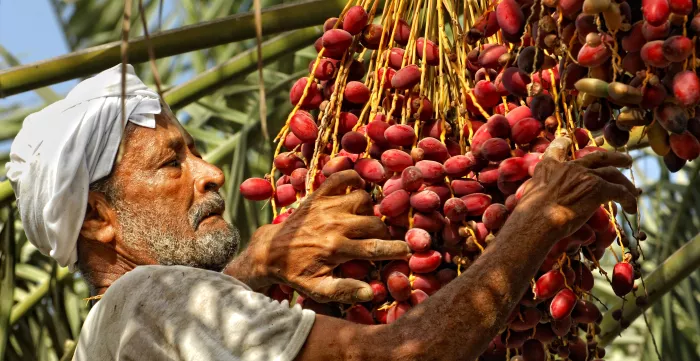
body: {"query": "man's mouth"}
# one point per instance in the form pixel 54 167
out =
pixel 212 213
pixel 209 209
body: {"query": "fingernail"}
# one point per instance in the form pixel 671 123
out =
pixel 364 294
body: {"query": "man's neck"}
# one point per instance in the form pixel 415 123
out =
pixel 105 263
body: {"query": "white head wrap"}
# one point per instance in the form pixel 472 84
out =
pixel 66 146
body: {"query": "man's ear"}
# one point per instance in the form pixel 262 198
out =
pixel 100 221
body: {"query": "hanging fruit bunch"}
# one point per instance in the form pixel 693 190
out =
pixel 444 108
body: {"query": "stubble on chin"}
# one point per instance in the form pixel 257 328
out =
pixel 175 243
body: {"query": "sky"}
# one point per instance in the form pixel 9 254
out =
pixel 30 32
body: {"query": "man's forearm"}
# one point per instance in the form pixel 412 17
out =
pixel 459 321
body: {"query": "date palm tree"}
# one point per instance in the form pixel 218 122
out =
pixel 42 306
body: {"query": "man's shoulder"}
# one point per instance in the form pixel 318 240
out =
pixel 151 305
pixel 159 293
pixel 173 276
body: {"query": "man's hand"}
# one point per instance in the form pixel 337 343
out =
pixel 329 227
pixel 565 194
pixel 476 305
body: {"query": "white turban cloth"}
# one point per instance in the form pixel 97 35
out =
pixel 63 148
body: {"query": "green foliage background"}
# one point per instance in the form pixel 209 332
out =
pixel 42 306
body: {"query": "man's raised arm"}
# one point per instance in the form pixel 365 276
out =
pixel 459 321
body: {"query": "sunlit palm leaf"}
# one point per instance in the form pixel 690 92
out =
pixel 7 275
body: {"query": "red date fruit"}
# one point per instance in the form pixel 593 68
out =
pixel 652 54
pixel 495 150
pixel 432 171
pixel 495 216
pixel 510 17
pixel 411 178
pixel 399 286
pixel 356 92
pixel 462 187
pixel 400 135
pixel 370 170
pixel 425 201
pixel 425 262
pixel 549 284
pixel 677 48
pixel 433 149
pixel 562 304
pixel 622 279
pixel 685 145
pixel 336 40
pixel 417 297
pixel 418 239
pixel 686 88
pixel 407 77
pixel 432 55
pixel 371 36
pixel 357 269
pixel 526 130
pixel 355 20
pixel 397 311
pixel 380 292
pixel 395 203
pixel 354 142
pixel 256 189
pixel 303 127
pixel 285 195
pixel 476 203
pixel 655 12
pixel 455 210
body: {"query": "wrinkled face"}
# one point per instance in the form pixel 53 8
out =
pixel 167 203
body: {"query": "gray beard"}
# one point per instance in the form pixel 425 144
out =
pixel 149 233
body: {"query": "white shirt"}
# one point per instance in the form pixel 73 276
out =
pixel 183 313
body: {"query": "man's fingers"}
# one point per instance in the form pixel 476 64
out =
pixel 618 187
pixel 620 194
pixel 362 227
pixel 338 183
pixel 613 175
pixel 357 202
pixel 345 290
pixel 373 250
pixel 604 159
pixel 558 149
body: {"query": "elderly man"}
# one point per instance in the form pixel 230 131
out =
pixel 145 230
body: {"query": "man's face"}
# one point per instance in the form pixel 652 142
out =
pixel 167 203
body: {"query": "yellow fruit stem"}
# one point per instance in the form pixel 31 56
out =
pixel 473 235
pixel 617 229
pixel 379 84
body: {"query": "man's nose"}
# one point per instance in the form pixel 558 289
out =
pixel 209 178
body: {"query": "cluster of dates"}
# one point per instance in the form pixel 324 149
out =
pixel 446 160
pixel 657 85
pixel 621 71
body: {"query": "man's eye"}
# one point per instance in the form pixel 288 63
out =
pixel 173 163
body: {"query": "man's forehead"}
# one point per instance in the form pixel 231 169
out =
pixel 147 143
pixel 169 120
pixel 168 130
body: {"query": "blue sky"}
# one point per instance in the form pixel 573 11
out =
pixel 29 30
